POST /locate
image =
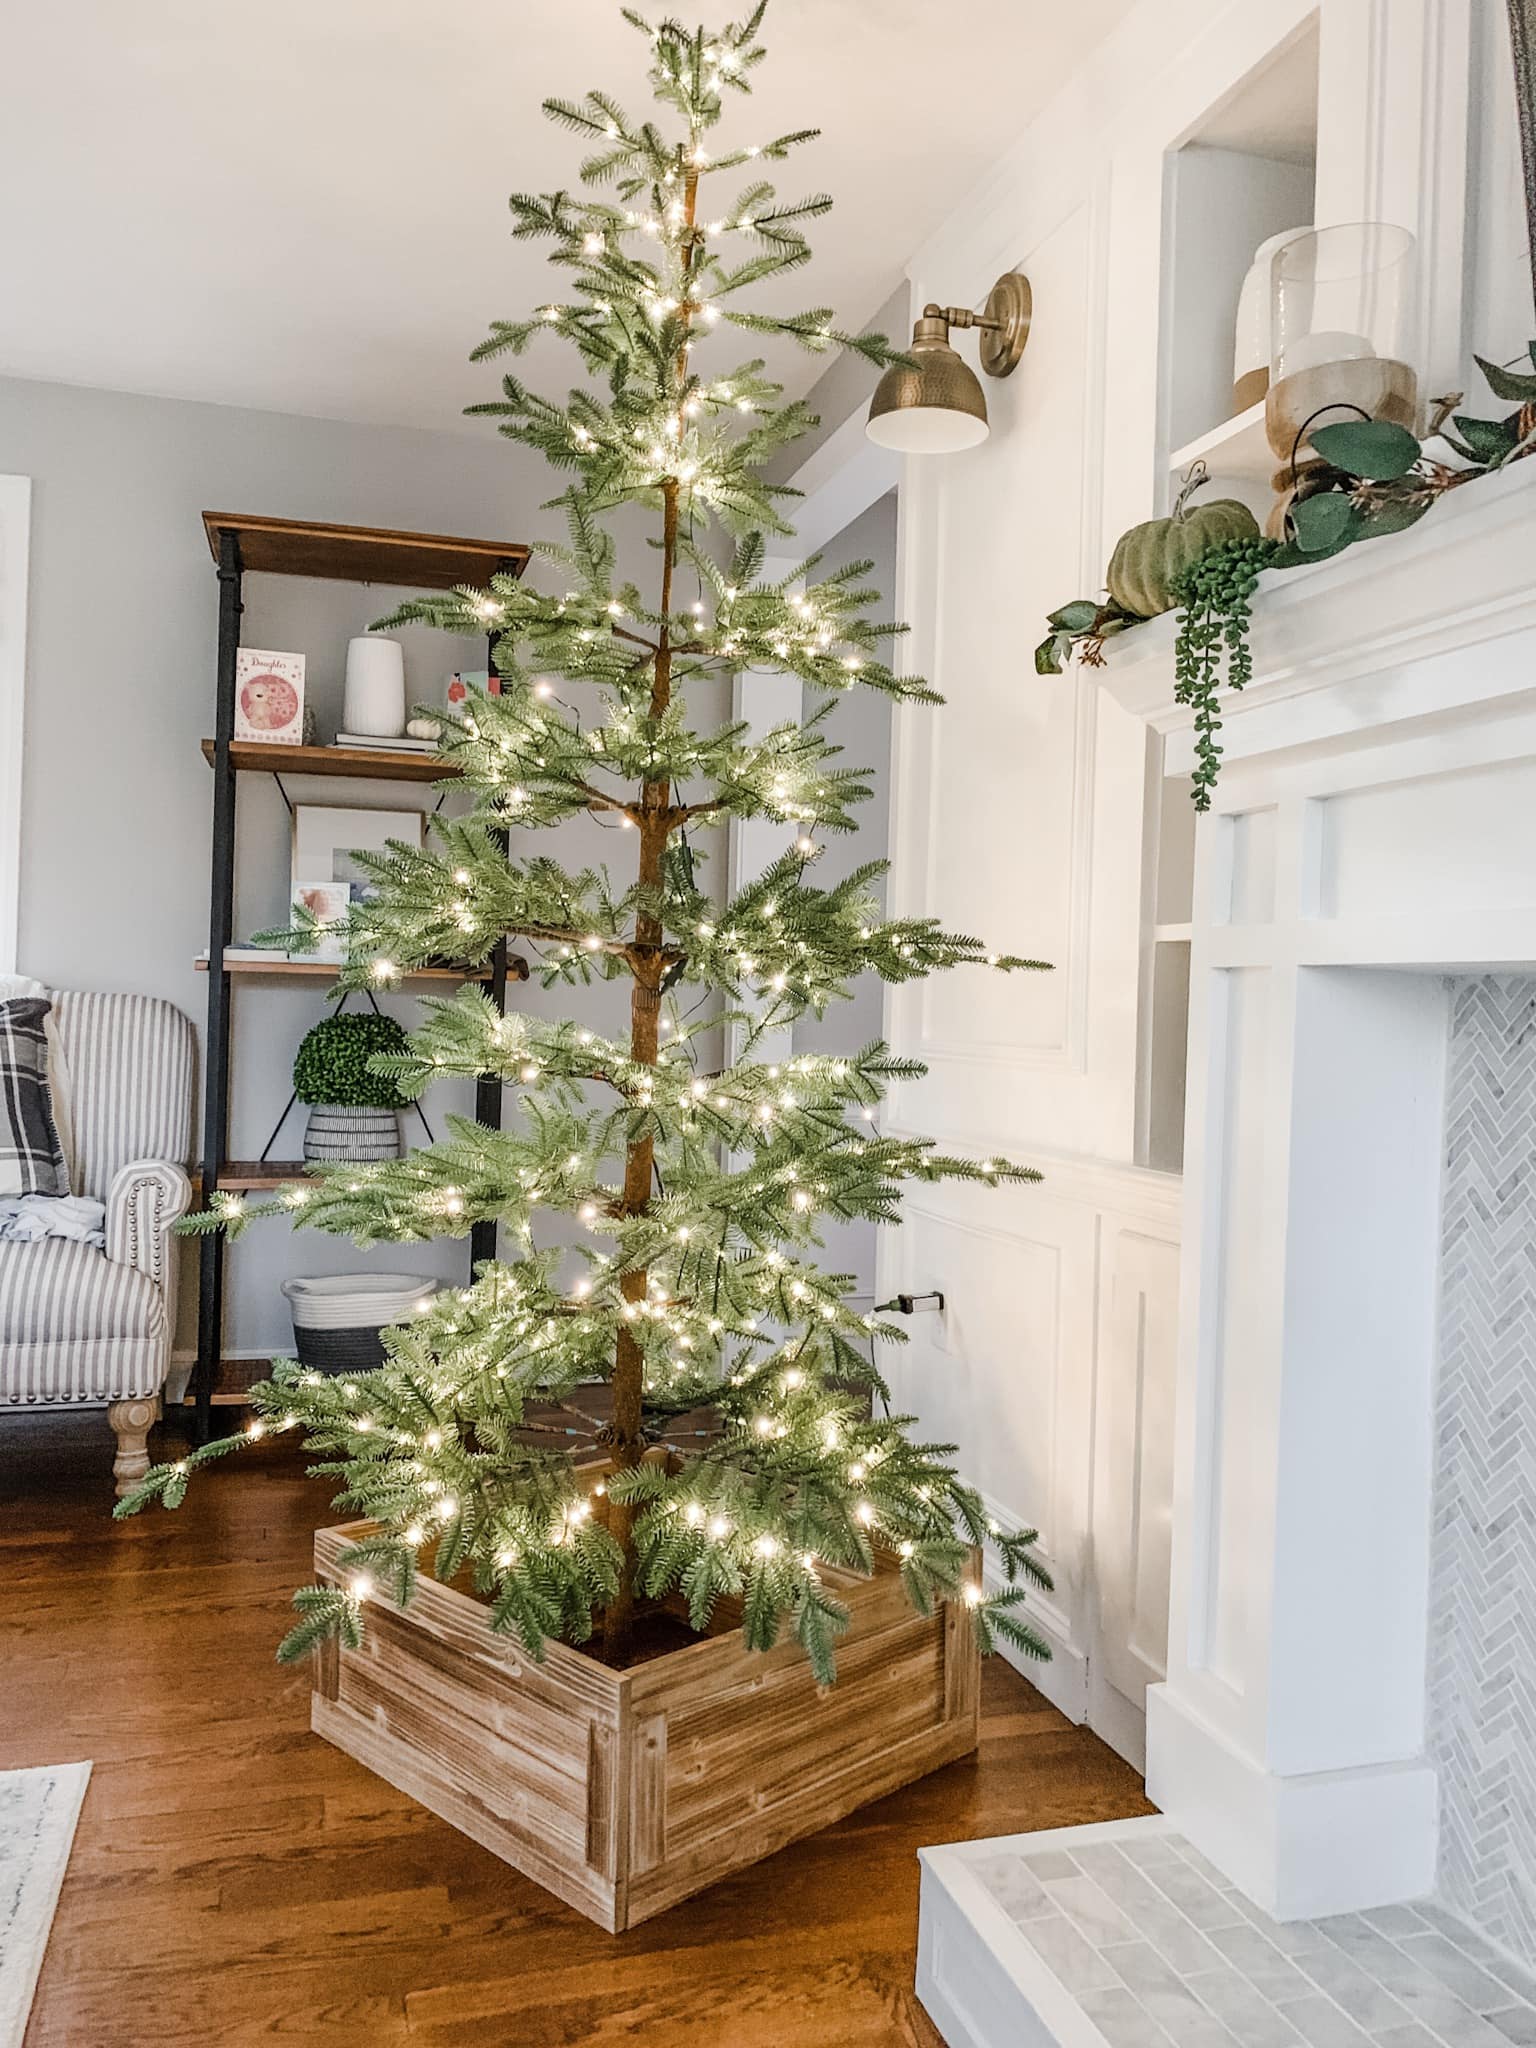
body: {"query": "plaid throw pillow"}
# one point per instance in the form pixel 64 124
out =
pixel 31 1161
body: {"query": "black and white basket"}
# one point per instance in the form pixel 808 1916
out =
pixel 336 1131
pixel 337 1317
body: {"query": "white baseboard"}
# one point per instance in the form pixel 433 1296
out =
pixel 1117 1721
pixel 1304 1847
pixel 1064 1679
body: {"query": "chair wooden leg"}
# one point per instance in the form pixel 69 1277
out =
pixel 131 1423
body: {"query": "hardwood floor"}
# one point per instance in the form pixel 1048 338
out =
pixel 235 1880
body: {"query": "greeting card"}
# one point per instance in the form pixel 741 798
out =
pixel 269 697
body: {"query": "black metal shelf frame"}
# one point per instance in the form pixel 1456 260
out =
pixel 213 1249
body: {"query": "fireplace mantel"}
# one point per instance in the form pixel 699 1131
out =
pixel 1369 837
pixel 1349 645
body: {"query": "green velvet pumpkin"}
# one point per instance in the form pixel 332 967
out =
pixel 1148 558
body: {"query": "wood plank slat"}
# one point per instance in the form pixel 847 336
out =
pixel 601 1803
pixel 760 1752
pixel 362 1738
pixel 371 764
pixel 648 1793
pixel 362 554
pixel 836 1796
pixel 326 1673
pixel 527 1792
pixel 962 1672
pixel 252 1174
pixel 324 970
pixel 458 1623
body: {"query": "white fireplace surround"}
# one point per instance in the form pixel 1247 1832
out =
pixel 1374 831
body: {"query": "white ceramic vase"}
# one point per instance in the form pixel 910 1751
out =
pixel 374 704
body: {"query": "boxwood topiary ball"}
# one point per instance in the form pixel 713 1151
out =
pixel 332 1063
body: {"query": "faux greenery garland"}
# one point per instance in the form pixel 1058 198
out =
pixel 1371 479
pixel 333 1064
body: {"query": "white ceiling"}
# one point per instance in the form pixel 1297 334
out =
pixel 300 204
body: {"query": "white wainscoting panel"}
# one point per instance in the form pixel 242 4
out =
pixel 1235 1430
pixel 1017 816
pixel 1017 809
pixel 1051 1369
pixel 1132 1520
pixel 975 825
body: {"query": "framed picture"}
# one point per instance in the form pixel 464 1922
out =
pixel 463 680
pixel 326 837
pixel 327 902
pixel 269 697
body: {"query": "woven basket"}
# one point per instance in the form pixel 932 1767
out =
pixel 335 1351
pixel 337 1318
pixel 335 1132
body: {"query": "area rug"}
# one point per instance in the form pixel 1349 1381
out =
pixel 38 1812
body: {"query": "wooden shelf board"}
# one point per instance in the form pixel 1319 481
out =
pixel 379 764
pixel 363 554
pixel 323 970
pixel 234 1399
pixel 1238 447
pixel 261 1173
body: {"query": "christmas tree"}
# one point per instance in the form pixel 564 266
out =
pixel 695 1194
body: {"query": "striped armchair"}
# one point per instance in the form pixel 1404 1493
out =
pixel 85 1326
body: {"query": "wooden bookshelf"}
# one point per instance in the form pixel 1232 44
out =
pixel 244 544
pixel 376 763
pixel 363 554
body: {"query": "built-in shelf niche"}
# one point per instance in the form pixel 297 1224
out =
pixel 1165 973
pixel 1246 172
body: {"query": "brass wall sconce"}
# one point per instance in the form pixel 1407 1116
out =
pixel 937 406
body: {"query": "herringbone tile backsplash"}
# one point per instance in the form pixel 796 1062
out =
pixel 1482 1661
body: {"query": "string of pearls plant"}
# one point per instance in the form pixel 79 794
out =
pixel 1214 596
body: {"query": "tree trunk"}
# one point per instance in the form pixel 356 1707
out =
pixel 644 1033
pixel 639 1163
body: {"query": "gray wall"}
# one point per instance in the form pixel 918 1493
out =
pixel 121 642
pixel 860 723
pixel 1482 1674
pixel 846 385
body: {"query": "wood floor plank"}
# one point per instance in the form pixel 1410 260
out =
pixel 237 1880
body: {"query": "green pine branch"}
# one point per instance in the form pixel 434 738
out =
pixel 661 1212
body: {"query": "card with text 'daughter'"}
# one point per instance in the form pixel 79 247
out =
pixel 269 697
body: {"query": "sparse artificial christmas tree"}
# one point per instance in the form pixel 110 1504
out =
pixel 699 1192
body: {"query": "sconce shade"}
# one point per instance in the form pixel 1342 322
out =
pixel 934 408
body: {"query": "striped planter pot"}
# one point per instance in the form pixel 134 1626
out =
pixel 354 1135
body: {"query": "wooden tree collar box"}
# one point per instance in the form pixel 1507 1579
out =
pixel 623 1792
